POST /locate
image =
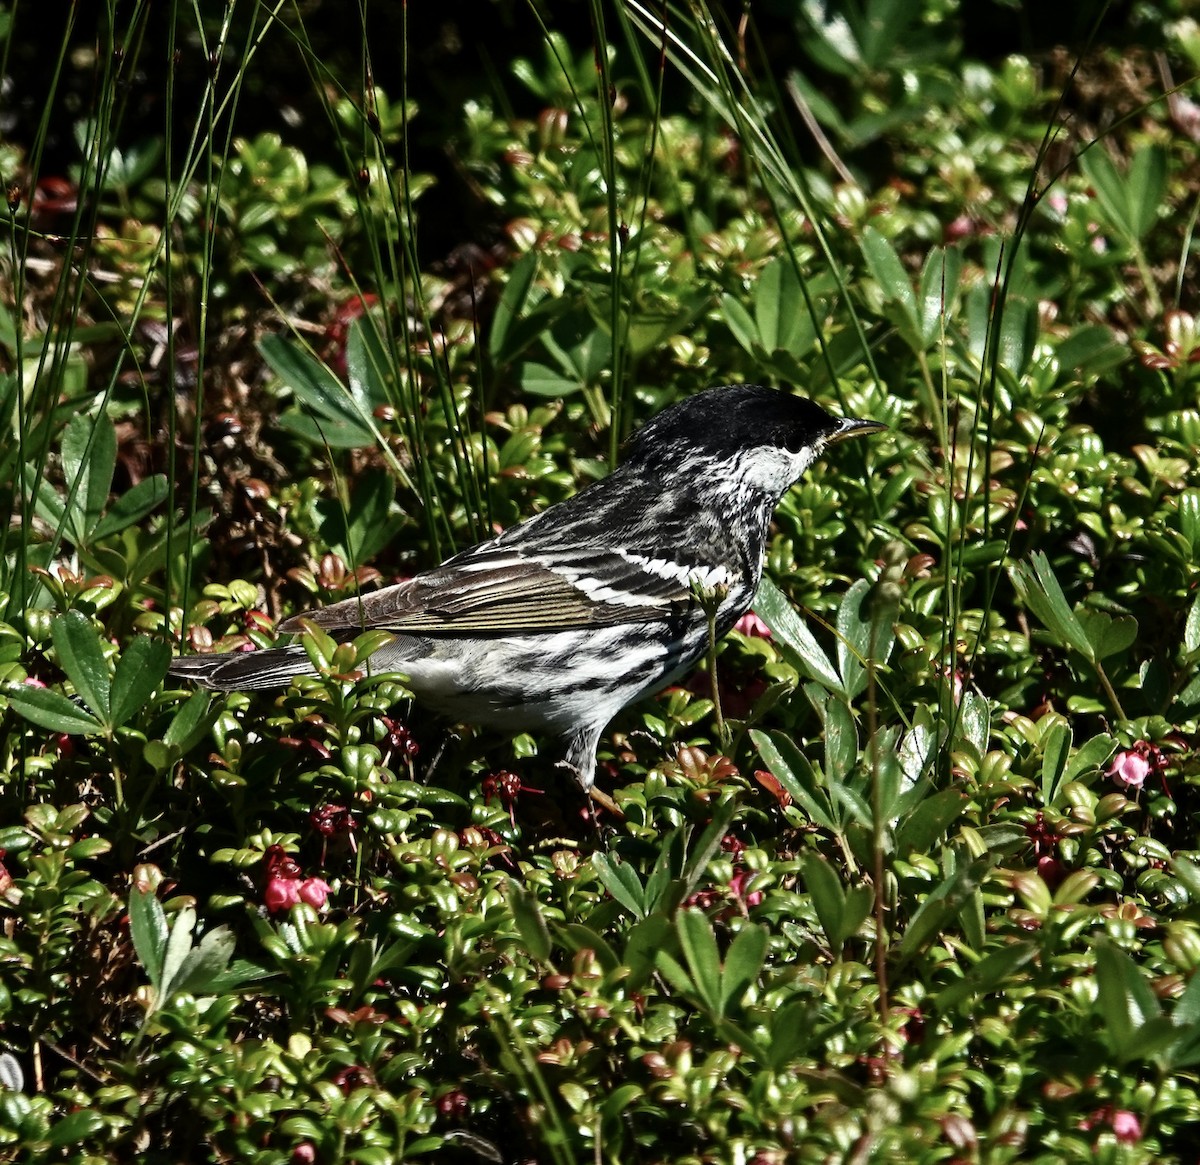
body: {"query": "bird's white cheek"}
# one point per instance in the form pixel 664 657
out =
pixel 775 470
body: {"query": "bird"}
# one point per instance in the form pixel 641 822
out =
pixel 559 622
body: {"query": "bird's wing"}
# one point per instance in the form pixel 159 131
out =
pixel 496 590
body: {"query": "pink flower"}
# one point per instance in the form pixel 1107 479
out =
pixel 281 893
pixel 1126 1127
pixel 1130 768
pixel 751 624
pixel 737 887
pixel 314 891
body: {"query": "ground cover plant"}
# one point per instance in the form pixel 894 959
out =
pixel 293 304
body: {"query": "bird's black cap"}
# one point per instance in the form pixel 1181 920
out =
pixel 728 420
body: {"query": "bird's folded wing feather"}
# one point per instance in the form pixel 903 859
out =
pixel 494 589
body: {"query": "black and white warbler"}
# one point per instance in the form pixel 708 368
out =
pixel 558 623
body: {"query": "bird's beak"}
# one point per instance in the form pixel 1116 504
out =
pixel 852 427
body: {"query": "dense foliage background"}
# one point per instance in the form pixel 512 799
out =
pixel 296 299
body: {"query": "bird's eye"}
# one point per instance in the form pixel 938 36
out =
pixel 790 439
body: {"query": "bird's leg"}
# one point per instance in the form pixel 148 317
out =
pixel 605 801
pixel 710 599
pixel 600 797
pixel 450 737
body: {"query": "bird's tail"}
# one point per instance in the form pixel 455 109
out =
pixel 244 671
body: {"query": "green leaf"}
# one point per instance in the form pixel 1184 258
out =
pixel 699 946
pixel 530 922
pixel 1094 754
pixel 642 945
pixel 889 273
pixel 1018 325
pixel 669 865
pixel 131 507
pixel 139 671
pixel 51 710
pixel 743 963
pixel 702 850
pixel 179 944
pixel 1038 588
pixel 986 975
pixel 580 346
pixel 89 455
pixel 943 903
pixel 1056 749
pixel 1189 874
pixel 1108 635
pixel 793 1030
pixel 928 822
pixel 542 381
pixel 75 1127
pixel 368 526
pixel 621 880
pixel 783 320
pixel 793 771
pixel 829 899
pixel 148 929
pixel 939 290
pixel 79 652
pixel 337 411
pixel 189 723
pixel 202 965
pixel 841 735
pixel 1091 350
pixel 511 307
pixel 975 722
pixel 1124 1001
pixel 1130 202
pixel 792 634
pixel 1191 628
pixel 854 638
pixel 744 329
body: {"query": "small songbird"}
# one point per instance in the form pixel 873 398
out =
pixel 561 621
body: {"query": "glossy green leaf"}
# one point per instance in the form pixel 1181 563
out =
pixel 542 381
pixel 51 710
pixel 1107 634
pixel 148 929
pixel 89 455
pixel 139 672
pixel 794 772
pixel 79 652
pixel 511 307
pixel 201 966
pixel 743 964
pixel 943 903
pixel 938 291
pixel 793 635
pixel 887 270
pixel 988 974
pixel 75 1127
pixel 1056 749
pixel 781 314
pixel 1038 588
pixel 621 880
pixel 828 897
pixel 1124 1001
pixel 854 637
pixel 922 829
pixel 699 946
pixel 531 924
pixel 132 506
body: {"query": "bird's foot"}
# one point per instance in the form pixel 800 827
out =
pixel 605 802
